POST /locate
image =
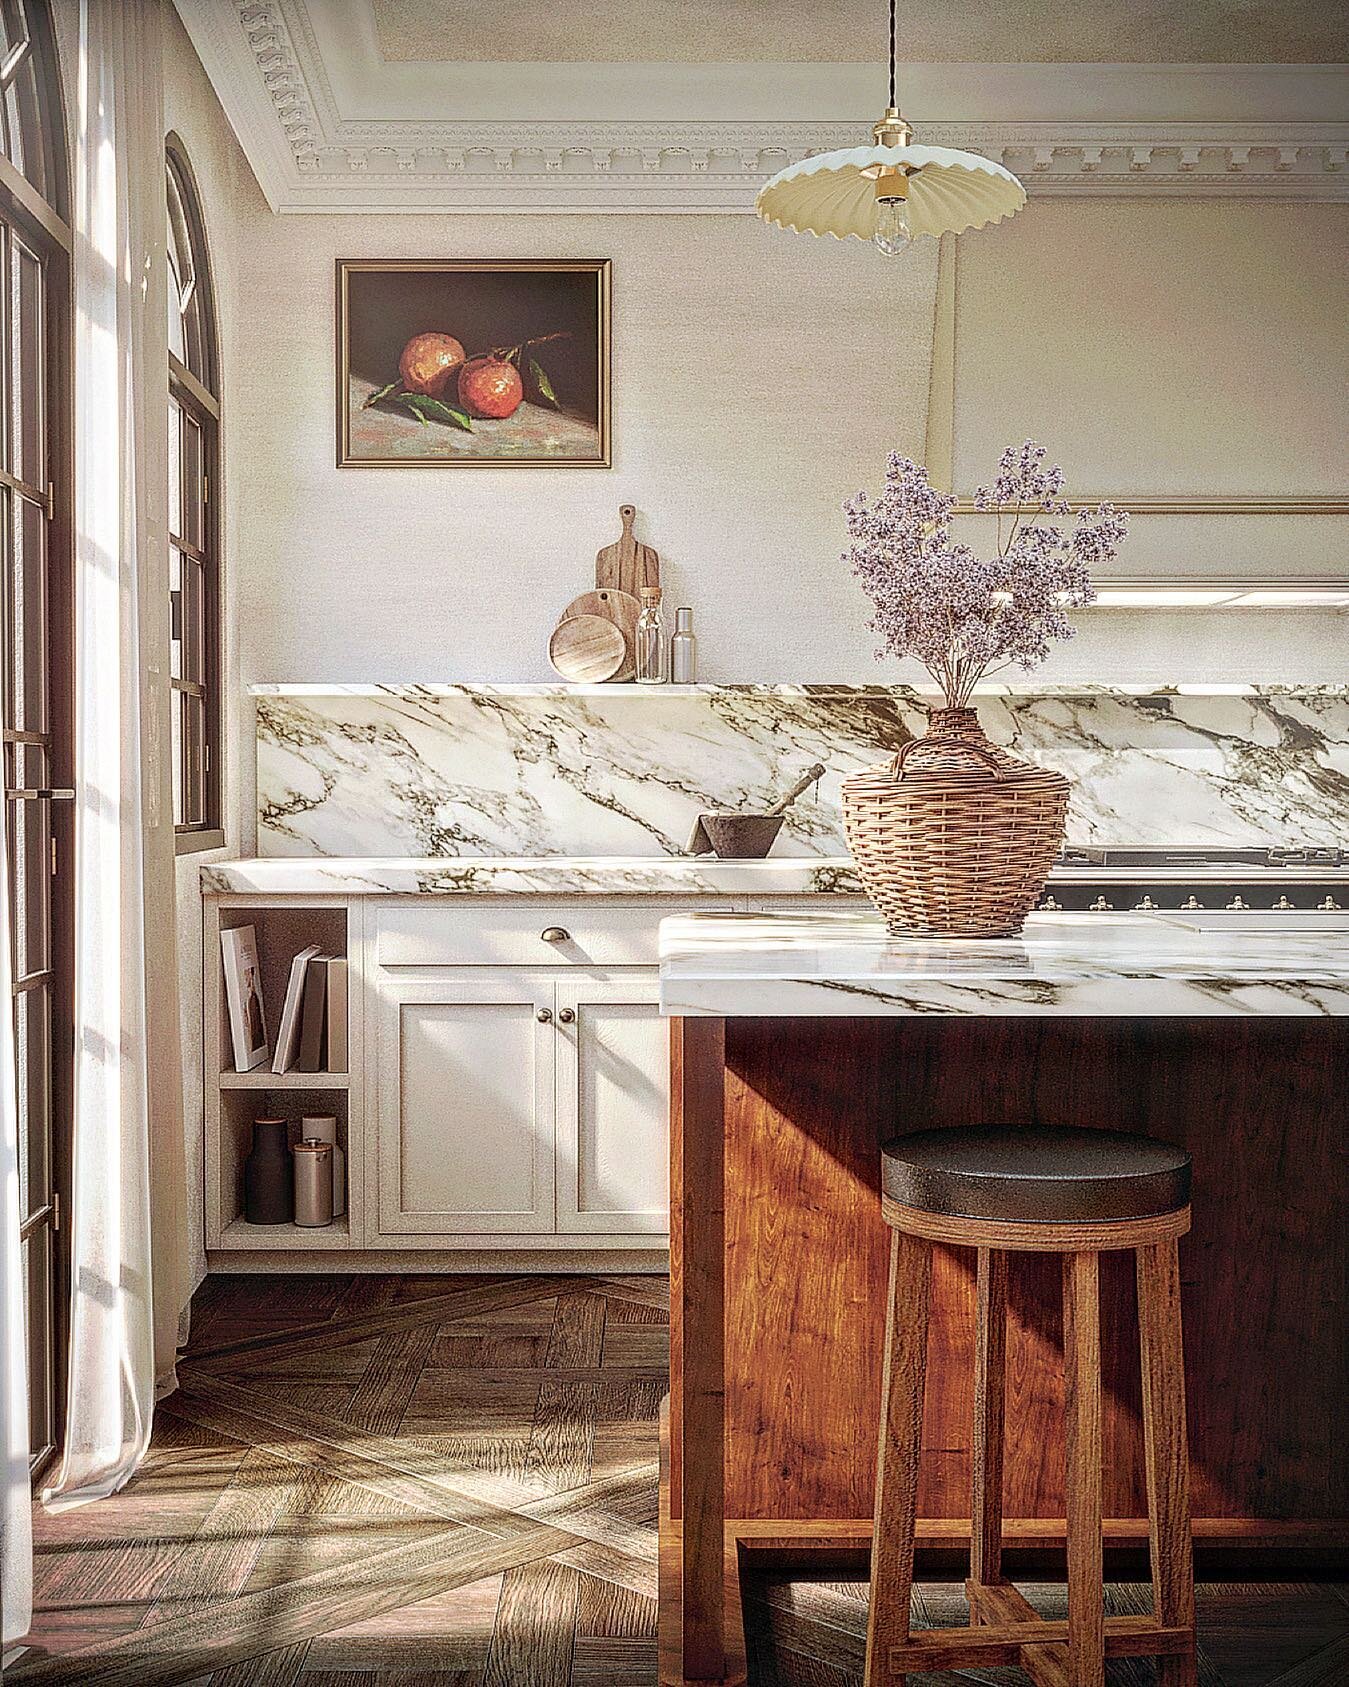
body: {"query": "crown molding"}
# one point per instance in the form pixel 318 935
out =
pixel 263 60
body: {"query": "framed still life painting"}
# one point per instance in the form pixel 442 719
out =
pixel 473 363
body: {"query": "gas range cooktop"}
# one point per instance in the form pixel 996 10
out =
pixel 1308 879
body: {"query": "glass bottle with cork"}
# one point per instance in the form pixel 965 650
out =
pixel 652 666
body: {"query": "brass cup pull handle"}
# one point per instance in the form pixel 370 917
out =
pixel 544 1016
pixel 567 1016
pixel 555 934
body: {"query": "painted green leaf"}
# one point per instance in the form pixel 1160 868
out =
pixel 541 381
pixel 428 409
pixel 382 393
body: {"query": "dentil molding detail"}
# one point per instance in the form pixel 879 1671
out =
pixel 265 66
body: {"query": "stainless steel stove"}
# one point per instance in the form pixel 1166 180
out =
pixel 1295 880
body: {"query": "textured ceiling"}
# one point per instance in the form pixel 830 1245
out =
pixel 841 31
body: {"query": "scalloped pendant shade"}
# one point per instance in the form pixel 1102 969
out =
pixel 891 191
pixel 948 191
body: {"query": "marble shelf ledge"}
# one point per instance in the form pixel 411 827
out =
pixel 843 964
pixel 656 876
pixel 653 693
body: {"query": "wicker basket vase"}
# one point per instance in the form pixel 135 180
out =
pixel 955 838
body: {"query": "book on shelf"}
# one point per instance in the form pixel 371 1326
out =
pixel 288 1035
pixel 243 994
pixel 310 1056
pixel 335 1053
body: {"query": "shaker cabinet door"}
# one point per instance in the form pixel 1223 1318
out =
pixel 465 1104
pixel 613 1108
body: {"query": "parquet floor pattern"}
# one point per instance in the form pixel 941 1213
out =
pixel 451 1482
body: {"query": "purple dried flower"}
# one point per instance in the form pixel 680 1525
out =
pixel 958 615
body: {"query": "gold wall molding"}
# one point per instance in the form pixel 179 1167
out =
pixel 1136 504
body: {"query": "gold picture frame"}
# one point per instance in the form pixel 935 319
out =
pixel 407 398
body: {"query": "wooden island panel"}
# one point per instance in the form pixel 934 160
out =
pixel 1260 1105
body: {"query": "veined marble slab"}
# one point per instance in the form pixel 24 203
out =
pixel 655 876
pixel 843 964
pixel 510 771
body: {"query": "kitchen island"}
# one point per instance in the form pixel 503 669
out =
pixel 799 1043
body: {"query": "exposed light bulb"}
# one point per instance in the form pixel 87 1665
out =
pixel 891 233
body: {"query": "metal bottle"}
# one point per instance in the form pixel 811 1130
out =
pixel 683 650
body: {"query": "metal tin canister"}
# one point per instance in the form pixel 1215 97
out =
pixel 313 1183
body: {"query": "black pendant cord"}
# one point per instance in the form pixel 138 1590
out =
pixel 892 54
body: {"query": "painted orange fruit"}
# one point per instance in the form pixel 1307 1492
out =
pixel 490 386
pixel 428 362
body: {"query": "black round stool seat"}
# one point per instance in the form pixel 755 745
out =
pixel 1036 1174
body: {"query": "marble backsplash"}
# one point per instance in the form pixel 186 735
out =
pixel 474 770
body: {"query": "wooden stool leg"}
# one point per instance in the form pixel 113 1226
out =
pixel 1082 1402
pixel 900 1449
pixel 990 1378
pixel 1166 1450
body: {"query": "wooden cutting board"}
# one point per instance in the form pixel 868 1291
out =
pixel 627 566
pixel 587 649
pixel 619 607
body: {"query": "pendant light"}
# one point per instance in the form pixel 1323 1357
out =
pixel 892 191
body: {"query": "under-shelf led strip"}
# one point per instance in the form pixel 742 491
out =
pixel 1222 594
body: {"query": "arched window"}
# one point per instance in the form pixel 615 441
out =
pixel 37 707
pixel 194 528
pixel 31 124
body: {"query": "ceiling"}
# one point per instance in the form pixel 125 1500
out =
pixel 852 31
pixel 358 105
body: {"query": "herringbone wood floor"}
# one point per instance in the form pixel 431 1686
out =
pixel 451 1482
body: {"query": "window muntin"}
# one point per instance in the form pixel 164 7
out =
pixel 194 562
pixel 36 665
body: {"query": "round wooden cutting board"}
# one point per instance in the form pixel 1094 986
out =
pixel 586 649
pixel 622 608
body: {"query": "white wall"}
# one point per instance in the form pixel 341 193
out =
pixel 758 379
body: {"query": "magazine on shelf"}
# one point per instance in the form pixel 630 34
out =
pixel 288 1036
pixel 243 993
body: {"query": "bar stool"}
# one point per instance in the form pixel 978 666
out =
pixel 1011 1189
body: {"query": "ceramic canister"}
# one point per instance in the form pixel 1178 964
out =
pixel 313 1183
pixel 268 1186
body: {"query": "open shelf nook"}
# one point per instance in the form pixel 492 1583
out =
pixel 283 928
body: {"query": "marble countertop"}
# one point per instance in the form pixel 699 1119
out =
pixel 843 964
pixel 637 875
pixel 555 875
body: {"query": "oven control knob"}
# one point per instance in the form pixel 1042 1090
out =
pixel 1146 906
pixel 1049 905
pixel 1329 906
pixel 1192 904
pixel 1237 904
pixel 1283 905
pixel 1100 906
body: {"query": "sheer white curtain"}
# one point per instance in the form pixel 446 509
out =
pixel 16 1531
pixel 127 1230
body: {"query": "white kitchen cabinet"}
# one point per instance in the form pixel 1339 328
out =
pixel 613 1107
pixel 465 1108
pixel 508 1087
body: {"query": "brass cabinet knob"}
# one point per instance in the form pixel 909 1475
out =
pixel 544 1016
pixel 567 1015
pixel 555 934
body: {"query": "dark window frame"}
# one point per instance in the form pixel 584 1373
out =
pixel 39 221
pixel 196 393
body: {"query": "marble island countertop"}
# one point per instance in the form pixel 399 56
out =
pixel 843 964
